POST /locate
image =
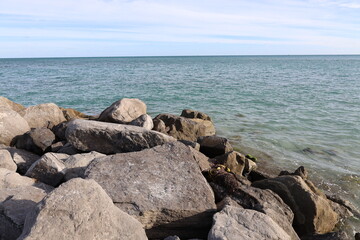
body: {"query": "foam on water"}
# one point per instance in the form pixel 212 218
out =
pixel 287 110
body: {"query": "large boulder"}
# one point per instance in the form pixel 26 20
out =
pixel 49 169
pixel 4 102
pixel 313 211
pixel 6 160
pixel 245 224
pixel 162 187
pixel 43 115
pixel 80 209
pixel 11 125
pixel 23 159
pixel 109 138
pixel 180 128
pixel 213 146
pixel 37 140
pixel 123 111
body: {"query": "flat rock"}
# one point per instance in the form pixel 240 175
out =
pixel 12 124
pixel 109 138
pixel 49 169
pixel 37 140
pixel 43 115
pixel 144 121
pixel 6 160
pixel 123 111
pixel 80 209
pixel 153 185
pixel 77 164
pixel 245 224
pixel 213 146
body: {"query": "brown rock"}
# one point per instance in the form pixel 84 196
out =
pixel 10 104
pixel 6 160
pixel 71 114
pixel 188 113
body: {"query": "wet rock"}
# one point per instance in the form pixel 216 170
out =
pixel 213 146
pixel 245 224
pixel 80 209
pixel 153 185
pixel 6 160
pixel 123 111
pixel 188 113
pixel 109 138
pixel 144 121
pixel 43 115
pixel 4 102
pixel 37 140
pixel 11 125
pixel 49 169
pixel 357 236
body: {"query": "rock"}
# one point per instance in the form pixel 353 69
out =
pixel 11 179
pixel 123 111
pixel 4 102
pixel 201 159
pixel 49 169
pixel 59 130
pixel 245 224
pixel 68 149
pixel 11 125
pixel 188 113
pixel 209 126
pixel 23 159
pixel 144 121
pixel 357 236
pixel 313 212
pixel 192 144
pixel 179 127
pixel 172 238
pixel 249 167
pixel 153 186
pixel 159 125
pixel 57 146
pixel 235 161
pixel 6 160
pixel 109 138
pixel 213 146
pixel 77 164
pixel 37 140
pixel 227 184
pixel 80 209
pixel 71 114
pixel 44 115
pixel 328 236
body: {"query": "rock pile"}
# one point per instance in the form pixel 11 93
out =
pixel 123 175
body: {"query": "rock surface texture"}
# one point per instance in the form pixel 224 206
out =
pixel 123 111
pixel 109 138
pixel 80 209
pixel 153 185
pixel 235 223
pixel 37 140
pixel 6 160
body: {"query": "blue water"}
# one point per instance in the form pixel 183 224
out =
pixel 286 110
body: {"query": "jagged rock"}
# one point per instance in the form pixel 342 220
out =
pixel 153 185
pixel 49 169
pixel 144 121
pixel 188 113
pixel 6 160
pixel 227 184
pixel 313 212
pixel 112 138
pixel 37 140
pixel 235 161
pixel 43 115
pixel 245 224
pixel 23 159
pixel 70 114
pixel 213 146
pixel 4 102
pixel 80 209
pixel 11 125
pixel 123 111
pixel 180 128
pixel 77 164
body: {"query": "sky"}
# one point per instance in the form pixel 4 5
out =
pixel 90 28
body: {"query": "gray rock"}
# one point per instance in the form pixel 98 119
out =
pixel 59 130
pixel 68 149
pixel 213 146
pixel 77 164
pixel 123 111
pixel 23 159
pixel 80 209
pixel 112 138
pixel 201 159
pixel 49 169
pixel 43 115
pixel 11 125
pixel 37 140
pixel 57 146
pixel 144 121
pixel 6 160
pixel 153 185
pixel 235 223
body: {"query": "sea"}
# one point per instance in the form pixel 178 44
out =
pixel 287 111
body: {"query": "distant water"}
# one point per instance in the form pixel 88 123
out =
pixel 286 110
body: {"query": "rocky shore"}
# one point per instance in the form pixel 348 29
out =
pixel 126 175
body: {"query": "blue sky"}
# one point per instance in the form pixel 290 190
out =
pixel 70 28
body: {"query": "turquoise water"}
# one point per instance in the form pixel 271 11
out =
pixel 286 110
